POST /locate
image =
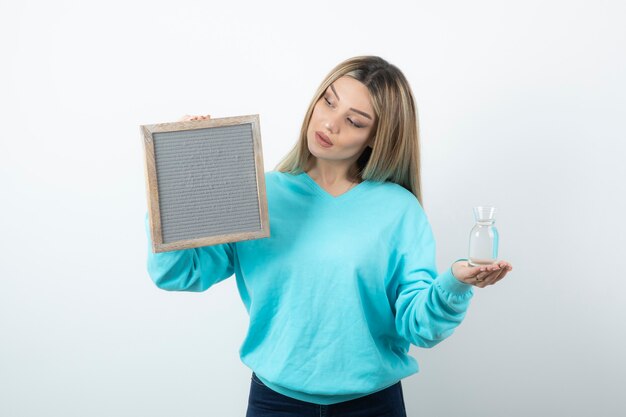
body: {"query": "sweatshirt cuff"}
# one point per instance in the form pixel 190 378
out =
pixel 448 282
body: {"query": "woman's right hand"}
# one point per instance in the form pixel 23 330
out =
pixel 481 275
pixel 187 118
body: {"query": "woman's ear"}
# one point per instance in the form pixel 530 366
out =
pixel 370 141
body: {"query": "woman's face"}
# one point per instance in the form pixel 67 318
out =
pixel 343 116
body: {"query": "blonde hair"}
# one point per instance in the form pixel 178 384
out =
pixel 395 153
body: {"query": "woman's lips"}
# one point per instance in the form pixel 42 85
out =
pixel 323 140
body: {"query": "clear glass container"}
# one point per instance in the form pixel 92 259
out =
pixel 483 241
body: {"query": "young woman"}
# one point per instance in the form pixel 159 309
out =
pixel 347 280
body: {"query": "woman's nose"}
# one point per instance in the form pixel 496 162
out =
pixel 331 125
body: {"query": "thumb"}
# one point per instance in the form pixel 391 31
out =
pixel 464 271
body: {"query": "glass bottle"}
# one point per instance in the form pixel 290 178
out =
pixel 483 241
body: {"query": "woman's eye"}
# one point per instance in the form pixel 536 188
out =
pixel 327 101
pixel 354 124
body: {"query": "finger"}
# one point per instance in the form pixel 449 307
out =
pixel 480 273
pixel 507 268
pixel 490 274
pixel 494 277
pixel 479 283
pixel 484 271
pixel 505 264
pixel 483 275
pixel 473 272
pixel 480 269
pixel 466 273
pixel 500 277
pixel 479 279
pixel 476 274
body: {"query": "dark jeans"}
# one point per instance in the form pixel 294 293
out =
pixel 265 402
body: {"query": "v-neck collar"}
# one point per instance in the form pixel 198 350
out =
pixel 357 189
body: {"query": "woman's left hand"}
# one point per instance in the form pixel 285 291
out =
pixel 481 275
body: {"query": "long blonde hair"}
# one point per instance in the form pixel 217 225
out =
pixel 395 154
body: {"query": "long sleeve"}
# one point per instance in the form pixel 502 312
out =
pixel 337 293
pixel 194 269
pixel 429 306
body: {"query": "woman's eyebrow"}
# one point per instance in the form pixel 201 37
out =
pixel 332 87
pixel 362 113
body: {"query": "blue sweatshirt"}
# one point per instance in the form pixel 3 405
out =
pixel 336 294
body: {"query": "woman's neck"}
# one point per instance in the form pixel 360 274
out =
pixel 330 174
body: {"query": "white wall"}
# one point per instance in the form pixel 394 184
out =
pixel 521 104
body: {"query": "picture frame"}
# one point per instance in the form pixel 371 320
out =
pixel 205 182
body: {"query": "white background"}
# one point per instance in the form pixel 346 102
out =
pixel 521 104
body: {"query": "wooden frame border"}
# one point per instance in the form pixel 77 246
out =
pixel 152 188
